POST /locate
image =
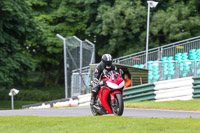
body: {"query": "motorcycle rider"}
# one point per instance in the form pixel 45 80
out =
pixel 106 63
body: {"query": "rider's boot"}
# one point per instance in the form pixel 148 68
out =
pixel 93 98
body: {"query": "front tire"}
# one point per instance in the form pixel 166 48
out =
pixel 118 106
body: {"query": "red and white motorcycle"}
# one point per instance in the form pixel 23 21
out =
pixel 110 95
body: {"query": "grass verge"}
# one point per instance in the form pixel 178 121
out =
pixel 190 105
pixel 6 105
pixel 101 124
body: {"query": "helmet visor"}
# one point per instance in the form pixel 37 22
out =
pixel 107 63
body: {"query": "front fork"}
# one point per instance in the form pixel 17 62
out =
pixel 113 97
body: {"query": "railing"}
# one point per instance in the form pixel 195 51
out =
pixel 84 70
pixel 76 82
pixel 159 52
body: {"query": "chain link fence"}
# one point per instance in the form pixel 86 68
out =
pixel 77 85
pixel 79 55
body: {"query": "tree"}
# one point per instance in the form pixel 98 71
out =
pixel 16 27
pixel 59 16
pixel 179 21
pixel 120 25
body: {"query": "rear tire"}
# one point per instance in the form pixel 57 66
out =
pixel 118 109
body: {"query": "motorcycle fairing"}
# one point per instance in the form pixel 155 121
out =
pixel 115 82
pixel 103 96
pixel 113 95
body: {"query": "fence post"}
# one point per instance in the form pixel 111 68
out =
pixel 81 53
pixel 65 63
pixel 178 69
pixel 161 52
pixel 195 68
pixel 162 72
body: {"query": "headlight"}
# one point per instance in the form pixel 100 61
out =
pixel 115 86
pixel 112 85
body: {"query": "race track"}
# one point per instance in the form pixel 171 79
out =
pixel 80 111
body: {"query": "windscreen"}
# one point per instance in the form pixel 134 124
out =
pixel 113 74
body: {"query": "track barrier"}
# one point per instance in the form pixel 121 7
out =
pixel 168 90
pixel 196 87
pixel 81 100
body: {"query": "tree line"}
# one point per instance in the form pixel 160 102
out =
pixel 28 42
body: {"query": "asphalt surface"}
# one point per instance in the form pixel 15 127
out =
pixel 80 111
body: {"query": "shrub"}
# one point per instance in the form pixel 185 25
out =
pixel 34 95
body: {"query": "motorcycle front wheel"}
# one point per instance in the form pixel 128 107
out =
pixel 118 106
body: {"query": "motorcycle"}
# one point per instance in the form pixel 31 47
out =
pixel 110 96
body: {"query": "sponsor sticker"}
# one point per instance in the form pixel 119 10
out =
pixel 136 58
pixel 179 47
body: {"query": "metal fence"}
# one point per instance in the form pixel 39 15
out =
pixel 159 52
pixel 76 82
pixel 166 70
pixel 79 55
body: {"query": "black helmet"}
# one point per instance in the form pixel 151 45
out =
pixel 107 60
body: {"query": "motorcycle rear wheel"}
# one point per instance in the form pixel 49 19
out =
pixel 118 109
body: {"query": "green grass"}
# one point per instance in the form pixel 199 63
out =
pixel 17 104
pixel 101 124
pixel 190 105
